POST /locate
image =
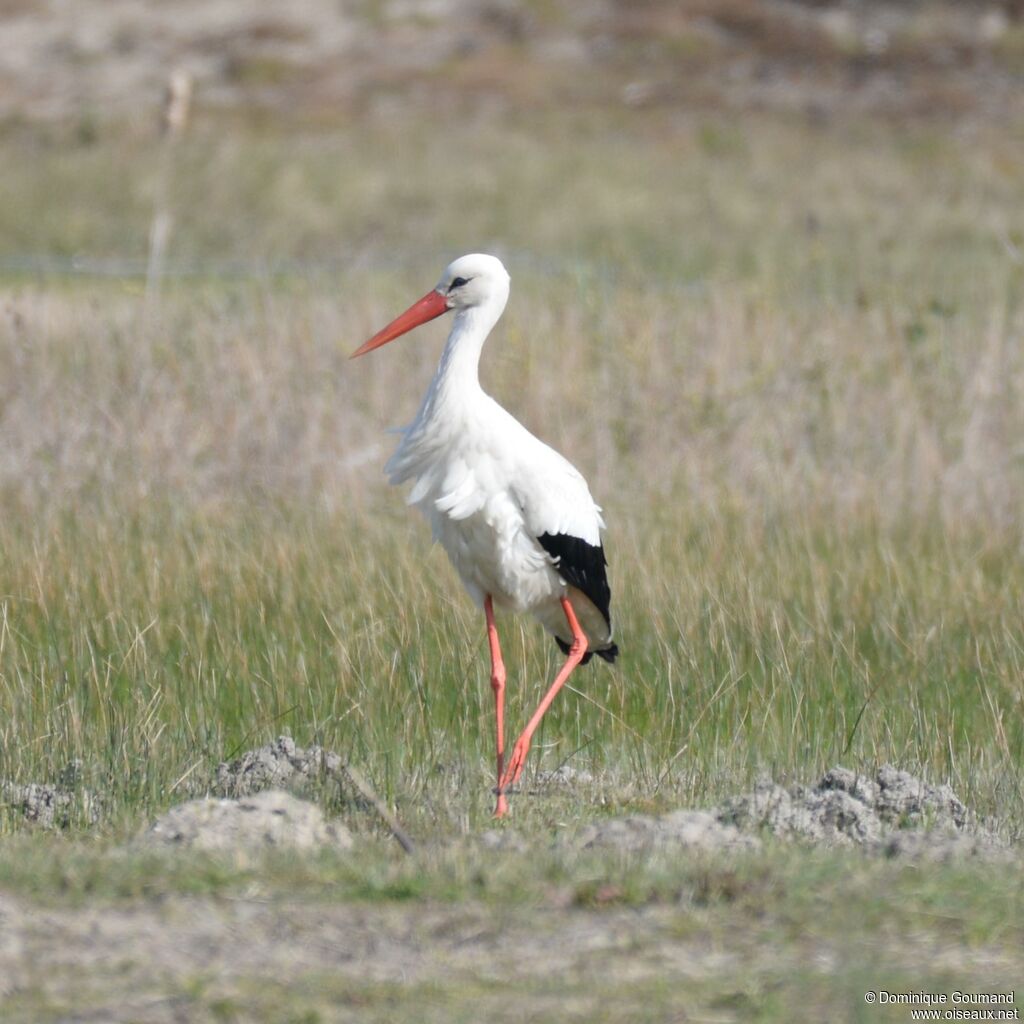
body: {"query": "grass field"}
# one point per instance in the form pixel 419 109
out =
pixel 796 389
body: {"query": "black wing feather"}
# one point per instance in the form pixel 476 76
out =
pixel 609 653
pixel 582 566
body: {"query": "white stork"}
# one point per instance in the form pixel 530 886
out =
pixel 516 519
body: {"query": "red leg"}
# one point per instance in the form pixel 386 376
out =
pixel 498 685
pixel 522 747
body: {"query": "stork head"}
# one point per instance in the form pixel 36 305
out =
pixel 473 280
pixel 469 282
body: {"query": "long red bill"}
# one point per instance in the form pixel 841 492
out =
pixel 431 306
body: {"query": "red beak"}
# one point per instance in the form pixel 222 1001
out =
pixel 431 306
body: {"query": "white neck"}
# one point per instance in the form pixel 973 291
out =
pixel 456 381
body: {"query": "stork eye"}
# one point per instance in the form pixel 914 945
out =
pixel 459 282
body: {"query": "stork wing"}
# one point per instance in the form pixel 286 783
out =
pixel 561 515
pixel 582 566
pixel 554 496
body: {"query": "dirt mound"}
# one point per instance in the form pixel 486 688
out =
pixel 52 805
pixel 894 813
pixel 688 830
pixel 48 806
pixel 278 765
pixel 269 819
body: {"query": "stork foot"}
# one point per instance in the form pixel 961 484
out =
pixel 516 763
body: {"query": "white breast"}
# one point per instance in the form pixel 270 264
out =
pixel 489 488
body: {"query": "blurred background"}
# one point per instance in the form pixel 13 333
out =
pixel 854 165
pixel 766 262
pixel 314 58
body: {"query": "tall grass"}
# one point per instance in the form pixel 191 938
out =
pixel 792 375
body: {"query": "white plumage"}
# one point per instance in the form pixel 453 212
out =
pixel 516 519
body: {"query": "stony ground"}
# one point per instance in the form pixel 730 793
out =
pixel 256 799
pixel 178 956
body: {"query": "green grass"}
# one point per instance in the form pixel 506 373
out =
pixel 743 655
pixel 799 406
pixel 791 373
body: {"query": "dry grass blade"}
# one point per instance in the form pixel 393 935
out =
pixel 367 791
